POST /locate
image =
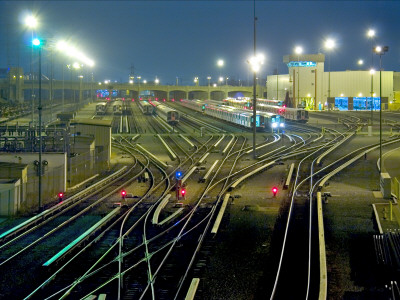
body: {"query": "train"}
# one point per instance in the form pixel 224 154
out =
pixel 170 115
pixel 265 121
pixel 146 107
pixel 247 102
pixel 117 107
pixel 289 113
pixel 293 114
pixel 101 108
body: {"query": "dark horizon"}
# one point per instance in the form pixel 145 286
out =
pixel 171 39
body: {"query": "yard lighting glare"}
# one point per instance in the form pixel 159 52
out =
pixel 31 22
pixel 256 62
pixel 36 42
pixel 73 52
pixel 298 50
pixel 371 33
pixel 330 44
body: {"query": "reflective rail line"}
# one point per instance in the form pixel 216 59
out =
pixel 192 289
pixel 160 206
pixel 82 237
pixel 172 153
pixel 220 214
pixel 289 177
pixel 51 210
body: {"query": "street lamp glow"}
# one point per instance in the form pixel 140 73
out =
pixel 144 81
pixel 256 62
pixel 371 33
pixel 76 65
pixel 360 62
pixel 157 81
pixel 221 79
pixel 31 22
pixel 330 44
pixel 378 49
pixel 220 63
pixel 36 42
pixel 131 81
pixel 298 50
pixel 372 71
pixel 209 77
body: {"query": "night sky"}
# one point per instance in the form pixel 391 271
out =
pixel 184 39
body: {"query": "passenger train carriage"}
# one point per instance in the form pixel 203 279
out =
pixel 170 115
pixel 117 108
pixel 264 121
pixel 101 108
pixel 292 114
pixel 146 107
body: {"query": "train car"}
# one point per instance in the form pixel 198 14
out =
pixel 270 102
pixel 291 114
pixel 197 105
pixel 117 108
pixel 146 107
pixel 170 115
pixel 101 108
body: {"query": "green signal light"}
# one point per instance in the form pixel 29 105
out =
pixel 36 42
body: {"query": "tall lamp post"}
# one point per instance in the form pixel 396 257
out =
pixel 38 43
pixel 298 50
pixel 31 22
pixel 255 63
pixel 372 72
pixel 371 36
pixel 329 45
pixel 380 51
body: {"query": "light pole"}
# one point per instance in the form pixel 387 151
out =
pixel 298 50
pixel 208 78
pixel 196 81
pixel 371 36
pixel 329 45
pixel 31 22
pixel 139 78
pixel 372 72
pixel 380 51
pixel 38 43
pixel 220 64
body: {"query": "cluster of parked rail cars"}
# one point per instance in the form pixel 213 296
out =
pixel 264 121
pixel 170 115
pixel 271 106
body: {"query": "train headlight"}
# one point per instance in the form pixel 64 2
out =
pixel 282 125
pixel 274 125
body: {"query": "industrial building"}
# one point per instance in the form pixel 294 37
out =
pixel 311 85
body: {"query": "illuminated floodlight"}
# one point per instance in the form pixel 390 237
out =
pixel 75 53
pixel 220 63
pixel 372 71
pixel 221 79
pixel 131 81
pixel 360 62
pixel 371 33
pixel 256 62
pixel 36 42
pixel 76 65
pixel 31 22
pixel 298 50
pixel 329 44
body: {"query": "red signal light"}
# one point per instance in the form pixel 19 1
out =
pixel 274 190
pixel 183 192
pixel 60 195
pixel 123 194
pixel 133 99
